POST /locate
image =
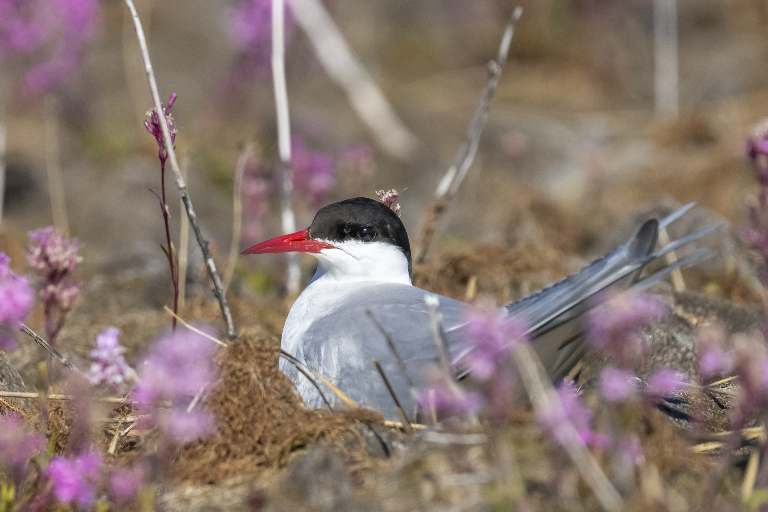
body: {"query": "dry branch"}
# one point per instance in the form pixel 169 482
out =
pixel 344 68
pixel 201 241
pixel 453 178
pixel 55 353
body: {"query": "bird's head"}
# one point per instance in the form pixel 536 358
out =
pixel 353 240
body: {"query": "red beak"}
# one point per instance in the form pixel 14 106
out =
pixel 295 242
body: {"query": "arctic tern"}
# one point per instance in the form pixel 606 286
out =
pixel 364 270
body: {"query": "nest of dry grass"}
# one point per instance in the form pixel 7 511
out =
pixel 261 419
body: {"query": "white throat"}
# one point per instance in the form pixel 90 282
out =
pixel 354 261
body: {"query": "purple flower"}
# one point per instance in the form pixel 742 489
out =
pixel 388 197
pixel 152 123
pixel 447 399
pixel 109 366
pixel 74 479
pixel 20 31
pixel 554 416
pixel 665 382
pixel 616 384
pixel 16 299
pixel 250 24
pixel 713 360
pixel 50 252
pixel 185 426
pixel 630 450
pixel 615 326
pixel 125 483
pixel 177 367
pixel 17 446
pixel 54 256
pixel 67 26
pixel 255 202
pixel 491 337
pixel 313 171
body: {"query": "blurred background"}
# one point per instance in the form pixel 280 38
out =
pixel 583 129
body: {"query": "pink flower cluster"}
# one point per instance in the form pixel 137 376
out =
pixel 250 30
pixel 57 30
pixel 16 299
pixel 490 336
pixel 755 234
pixel 109 366
pixel 554 416
pixel 388 198
pixel 177 367
pixel 74 480
pixel 54 257
pixel 152 123
pixel 17 447
pixel 313 172
pixel 255 202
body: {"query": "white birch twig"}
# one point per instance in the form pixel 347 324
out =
pixel 344 68
pixel 201 241
pixel 284 137
pixel 453 178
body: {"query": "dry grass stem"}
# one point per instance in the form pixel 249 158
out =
pixel 52 351
pixel 451 181
pixel 544 396
pixel 344 68
pixel 183 253
pixel 30 394
pixel 400 411
pixel 392 348
pixel 750 475
pixel 193 329
pixel 237 214
pixel 671 258
pixel 53 164
pixel 201 241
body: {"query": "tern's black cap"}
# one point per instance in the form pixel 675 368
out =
pixel 361 219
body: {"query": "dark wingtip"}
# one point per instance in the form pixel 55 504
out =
pixel 644 241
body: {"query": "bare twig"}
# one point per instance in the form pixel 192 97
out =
pixel 24 394
pixel 237 214
pixel 392 348
pixel 345 69
pixel 63 360
pixel 296 363
pixel 400 410
pixel 113 444
pixel 453 178
pixel 671 258
pixel 335 390
pixel 183 253
pixel 543 396
pixel 202 242
pixel 53 164
pixel 293 278
pixel 197 331
pixel 750 476
pixel 438 333
pixel 397 424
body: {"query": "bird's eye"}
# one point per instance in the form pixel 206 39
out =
pixel 367 233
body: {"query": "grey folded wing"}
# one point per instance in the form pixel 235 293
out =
pixel 556 314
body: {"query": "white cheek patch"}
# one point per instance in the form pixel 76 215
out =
pixel 355 261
